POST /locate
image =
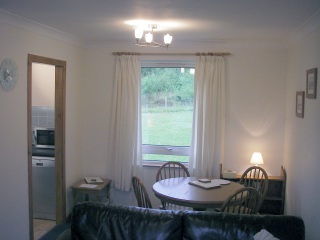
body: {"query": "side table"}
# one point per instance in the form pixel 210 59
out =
pixel 273 202
pixel 98 190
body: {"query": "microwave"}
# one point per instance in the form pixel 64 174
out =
pixel 43 137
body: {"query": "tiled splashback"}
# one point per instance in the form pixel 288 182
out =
pixel 43 116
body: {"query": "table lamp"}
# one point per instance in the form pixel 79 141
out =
pixel 256 159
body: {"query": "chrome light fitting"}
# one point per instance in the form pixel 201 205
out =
pixel 149 38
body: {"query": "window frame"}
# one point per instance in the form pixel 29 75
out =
pixel 165 149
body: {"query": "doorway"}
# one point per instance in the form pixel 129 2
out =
pixel 59 125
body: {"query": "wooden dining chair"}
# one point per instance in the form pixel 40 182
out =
pixel 243 201
pixel 172 170
pixel 141 193
pixel 257 178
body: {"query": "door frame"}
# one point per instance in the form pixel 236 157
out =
pixel 60 106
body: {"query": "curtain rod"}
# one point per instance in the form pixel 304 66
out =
pixel 173 54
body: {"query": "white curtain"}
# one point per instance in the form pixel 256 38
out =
pixel 126 120
pixel 207 147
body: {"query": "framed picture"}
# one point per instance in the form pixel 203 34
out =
pixel 311 91
pixel 300 104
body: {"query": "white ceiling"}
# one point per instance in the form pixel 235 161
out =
pixel 186 20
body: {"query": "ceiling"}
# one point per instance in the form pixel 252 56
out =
pixel 185 20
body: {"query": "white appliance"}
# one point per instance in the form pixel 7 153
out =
pixel 43 182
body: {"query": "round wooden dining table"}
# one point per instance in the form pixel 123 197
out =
pixel 178 191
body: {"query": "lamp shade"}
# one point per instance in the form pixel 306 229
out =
pixel 149 37
pixel 167 39
pixel 256 158
pixel 138 33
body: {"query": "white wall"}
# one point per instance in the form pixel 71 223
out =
pixel 302 148
pixel 255 107
pixel 43 88
pixel 16 44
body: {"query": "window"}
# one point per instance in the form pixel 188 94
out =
pixel 166 113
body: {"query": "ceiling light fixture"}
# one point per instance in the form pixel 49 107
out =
pixel 149 38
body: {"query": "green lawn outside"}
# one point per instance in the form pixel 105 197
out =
pixel 167 126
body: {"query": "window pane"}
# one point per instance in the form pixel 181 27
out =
pixel 167 110
pixel 163 127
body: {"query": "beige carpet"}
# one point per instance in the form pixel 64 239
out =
pixel 41 226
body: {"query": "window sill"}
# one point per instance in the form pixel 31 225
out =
pixel 157 164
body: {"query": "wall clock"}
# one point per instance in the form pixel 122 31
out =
pixel 8 74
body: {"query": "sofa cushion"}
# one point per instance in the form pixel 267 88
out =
pixel 213 225
pixel 102 221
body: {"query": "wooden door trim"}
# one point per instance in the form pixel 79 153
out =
pixel 60 103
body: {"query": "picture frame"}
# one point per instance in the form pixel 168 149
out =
pixel 300 104
pixel 311 80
